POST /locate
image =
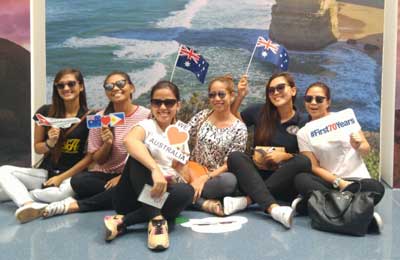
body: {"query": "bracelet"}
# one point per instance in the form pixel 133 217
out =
pixel 47 145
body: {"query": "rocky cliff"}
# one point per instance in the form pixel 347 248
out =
pixel 304 24
pixel 15 114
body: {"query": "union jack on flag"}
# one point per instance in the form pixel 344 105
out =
pixel 190 60
pixel 272 52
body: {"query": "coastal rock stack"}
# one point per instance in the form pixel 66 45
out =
pixel 304 24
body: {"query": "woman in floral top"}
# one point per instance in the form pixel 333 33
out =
pixel 214 134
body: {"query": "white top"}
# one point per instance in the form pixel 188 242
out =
pixel 152 129
pixel 334 154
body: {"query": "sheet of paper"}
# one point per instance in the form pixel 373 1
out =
pixel 146 198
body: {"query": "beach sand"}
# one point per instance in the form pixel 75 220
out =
pixel 361 20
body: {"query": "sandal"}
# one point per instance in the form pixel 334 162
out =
pixel 58 208
pixel 213 207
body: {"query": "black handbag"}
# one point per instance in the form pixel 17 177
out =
pixel 341 212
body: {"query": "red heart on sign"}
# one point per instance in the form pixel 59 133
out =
pixel 175 136
pixel 105 120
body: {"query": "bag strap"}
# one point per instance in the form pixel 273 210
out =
pixel 72 128
pixel 344 210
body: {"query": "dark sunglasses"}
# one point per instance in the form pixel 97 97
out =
pixel 167 102
pixel 110 86
pixel 279 88
pixel 220 94
pixel 318 99
pixel 61 85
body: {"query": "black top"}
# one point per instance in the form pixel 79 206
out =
pixel 285 134
pixel 72 150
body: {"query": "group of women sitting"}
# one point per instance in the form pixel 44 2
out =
pixel 107 168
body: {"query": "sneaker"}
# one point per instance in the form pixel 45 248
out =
pixel 295 204
pixel 284 215
pixel 114 226
pixel 376 225
pixel 58 208
pixel 158 235
pixel 234 204
pixel 30 212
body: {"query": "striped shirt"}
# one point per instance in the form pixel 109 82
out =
pixel 118 155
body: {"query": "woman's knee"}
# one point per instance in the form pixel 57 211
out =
pixel 302 163
pixel 236 158
pixel 228 183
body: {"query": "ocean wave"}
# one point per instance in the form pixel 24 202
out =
pixel 128 48
pixel 183 18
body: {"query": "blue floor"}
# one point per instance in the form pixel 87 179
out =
pixel 80 236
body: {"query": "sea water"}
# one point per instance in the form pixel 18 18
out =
pixel 142 39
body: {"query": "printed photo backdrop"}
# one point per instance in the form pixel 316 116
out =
pixel 15 114
pixel 342 47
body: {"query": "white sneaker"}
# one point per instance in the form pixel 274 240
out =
pixel 284 215
pixel 30 212
pixel 295 203
pixel 58 208
pixel 234 204
pixel 376 225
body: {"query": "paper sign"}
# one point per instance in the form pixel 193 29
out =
pixel 168 149
pixel 111 120
pixel 93 121
pixel 56 122
pixel 117 119
pixel 333 126
pixel 146 198
pixel 176 135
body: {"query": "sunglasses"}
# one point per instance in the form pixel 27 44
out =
pixel 279 88
pixel 110 86
pixel 168 103
pixel 61 85
pixel 220 94
pixel 318 99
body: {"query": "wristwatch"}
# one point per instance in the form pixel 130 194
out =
pixel 336 183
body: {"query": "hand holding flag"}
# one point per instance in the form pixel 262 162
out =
pixel 190 60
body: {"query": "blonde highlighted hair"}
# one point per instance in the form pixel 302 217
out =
pixel 227 79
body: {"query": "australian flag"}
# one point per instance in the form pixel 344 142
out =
pixel 190 60
pixel 272 52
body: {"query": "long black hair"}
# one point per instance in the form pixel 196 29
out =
pixel 269 116
pixel 57 107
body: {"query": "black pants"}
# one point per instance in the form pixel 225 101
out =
pixel 264 187
pixel 88 184
pixel 100 201
pixel 132 181
pixel 305 183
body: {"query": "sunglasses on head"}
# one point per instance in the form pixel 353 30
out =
pixel 279 88
pixel 318 99
pixel 167 102
pixel 220 94
pixel 61 85
pixel 119 83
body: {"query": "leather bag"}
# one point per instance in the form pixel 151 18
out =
pixel 341 212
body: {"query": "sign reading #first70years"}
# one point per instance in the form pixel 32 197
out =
pixel 333 127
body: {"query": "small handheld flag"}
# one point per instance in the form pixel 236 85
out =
pixel 272 52
pixel 190 60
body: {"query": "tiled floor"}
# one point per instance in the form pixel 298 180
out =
pixel 80 236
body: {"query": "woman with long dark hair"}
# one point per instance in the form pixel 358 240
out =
pixel 63 149
pixel 275 125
